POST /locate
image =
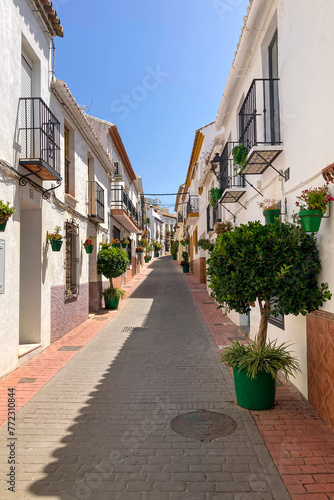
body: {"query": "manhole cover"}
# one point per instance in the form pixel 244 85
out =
pixel 26 380
pixel 70 348
pixel 211 303
pixel 203 425
pixel 135 329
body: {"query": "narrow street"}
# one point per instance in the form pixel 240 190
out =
pixel 101 427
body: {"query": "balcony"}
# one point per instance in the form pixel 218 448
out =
pixel 232 185
pixel 259 125
pixel 39 139
pixel 123 210
pixel 95 201
pixel 192 209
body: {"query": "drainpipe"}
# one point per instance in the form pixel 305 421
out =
pixel 257 10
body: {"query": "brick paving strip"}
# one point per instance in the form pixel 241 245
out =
pixel 300 443
pixel 100 428
pixel 49 362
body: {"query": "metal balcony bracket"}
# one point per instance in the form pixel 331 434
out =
pixel 265 163
pixel 253 186
pixel 23 178
pixel 229 211
pixel 46 192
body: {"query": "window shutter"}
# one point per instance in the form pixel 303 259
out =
pixel 26 111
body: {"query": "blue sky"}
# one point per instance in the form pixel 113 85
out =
pixel 157 69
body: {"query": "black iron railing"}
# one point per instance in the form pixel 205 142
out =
pixel 259 120
pixel 193 204
pixel 228 177
pixel 95 201
pixel 120 200
pixel 39 132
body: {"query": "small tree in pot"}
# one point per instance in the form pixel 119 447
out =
pixel 112 262
pixel 277 266
pixel 185 262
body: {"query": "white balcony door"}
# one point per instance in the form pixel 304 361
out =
pixel 26 108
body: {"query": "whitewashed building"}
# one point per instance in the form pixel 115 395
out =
pixel 54 172
pixel 278 102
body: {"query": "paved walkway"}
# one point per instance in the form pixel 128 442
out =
pixel 100 428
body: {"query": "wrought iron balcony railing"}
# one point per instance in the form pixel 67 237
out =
pixel 192 204
pixel 95 201
pixel 259 118
pixel 121 201
pixel 39 139
pixel 228 178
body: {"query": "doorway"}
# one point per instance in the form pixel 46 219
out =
pixel 30 276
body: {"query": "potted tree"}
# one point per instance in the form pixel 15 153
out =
pixel 55 239
pixel 276 266
pixel 5 212
pixel 174 249
pixel 112 262
pixel 157 248
pixel 149 251
pixel 185 262
pixel 312 205
pixel 270 211
pixel 88 245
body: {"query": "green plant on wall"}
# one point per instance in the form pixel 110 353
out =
pixel 239 154
pixel 276 265
pixel 111 262
pixel 215 195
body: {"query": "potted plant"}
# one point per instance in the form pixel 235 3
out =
pixel 184 242
pixel 148 220
pixel 115 242
pixel 5 212
pixel 147 258
pixel 222 227
pixel 205 244
pixel 111 262
pixel 270 211
pixel 185 262
pixel 149 251
pixel 258 364
pixel 239 153
pixel 174 249
pixel 157 248
pixel 125 242
pixel 55 239
pixel 312 205
pixel 215 195
pixel 276 266
pixel 88 245
pixel 139 250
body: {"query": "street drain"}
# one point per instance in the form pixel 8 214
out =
pixel 211 302
pixel 70 348
pixel 135 329
pixel 203 425
pixel 27 380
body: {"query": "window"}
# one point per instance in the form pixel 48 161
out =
pixel 116 233
pixel 118 168
pixel 71 259
pixel 68 162
pixel 279 321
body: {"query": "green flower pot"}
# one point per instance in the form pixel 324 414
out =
pixel 147 259
pixel 3 226
pixel 123 245
pixel 254 394
pixel 185 268
pixel 157 254
pixel 89 248
pixel 311 220
pixel 56 245
pixel 271 215
pixel 115 245
pixel 174 257
pixel 111 303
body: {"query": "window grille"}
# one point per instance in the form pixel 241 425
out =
pixel 72 259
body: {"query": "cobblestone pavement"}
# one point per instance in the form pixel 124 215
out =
pixel 100 428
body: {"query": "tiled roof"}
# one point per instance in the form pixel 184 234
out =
pixel 49 16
